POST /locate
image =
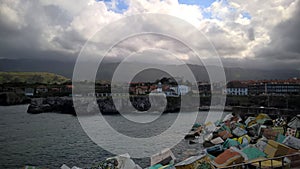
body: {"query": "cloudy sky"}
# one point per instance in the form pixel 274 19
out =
pixel 260 34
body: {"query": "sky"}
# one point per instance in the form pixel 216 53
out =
pixel 260 34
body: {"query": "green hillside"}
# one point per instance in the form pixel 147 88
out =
pixel 31 77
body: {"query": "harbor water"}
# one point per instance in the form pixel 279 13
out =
pixel 51 139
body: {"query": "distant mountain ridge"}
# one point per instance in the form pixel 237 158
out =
pixel 31 77
pixel 107 69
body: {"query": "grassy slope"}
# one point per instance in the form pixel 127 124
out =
pixel 31 77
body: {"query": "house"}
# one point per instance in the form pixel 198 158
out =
pixel 141 90
pixel 204 89
pixel 41 89
pixel 156 89
pixel 181 89
pixel 170 93
pixel 236 88
pixel 137 88
pixel 29 91
pixel 67 88
pixel 8 89
pixel 55 89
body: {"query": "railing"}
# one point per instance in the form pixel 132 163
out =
pixel 259 162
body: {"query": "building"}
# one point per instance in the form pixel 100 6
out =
pixel 236 88
pixel 67 88
pixel 274 88
pixel 41 89
pixel 140 88
pixel 218 88
pixel 204 89
pixel 29 91
pixel 55 89
pixel 170 93
pixel 181 89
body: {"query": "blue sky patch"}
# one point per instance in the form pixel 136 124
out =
pixel 121 5
pixel 201 3
pixel 207 15
pixel 246 15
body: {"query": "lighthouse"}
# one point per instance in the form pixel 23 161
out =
pixel 159 88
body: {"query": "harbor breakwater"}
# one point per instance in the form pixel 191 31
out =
pixel 106 105
pixel 144 103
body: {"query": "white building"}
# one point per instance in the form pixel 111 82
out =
pixel 181 89
pixel 236 88
pixel 237 91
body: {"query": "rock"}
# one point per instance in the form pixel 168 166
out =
pixel 11 98
pixel 52 104
pixel 35 109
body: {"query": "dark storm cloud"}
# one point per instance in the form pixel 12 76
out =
pixel 70 40
pixel 38 32
pixel 284 50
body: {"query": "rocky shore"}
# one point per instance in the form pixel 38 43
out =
pixel 51 104
pixel 143 103
pixel 105 105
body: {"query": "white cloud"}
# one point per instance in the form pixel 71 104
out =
pixel 65 25
pixel 230 28
pixel 92 18
pixel 190 13
pixel 13 17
